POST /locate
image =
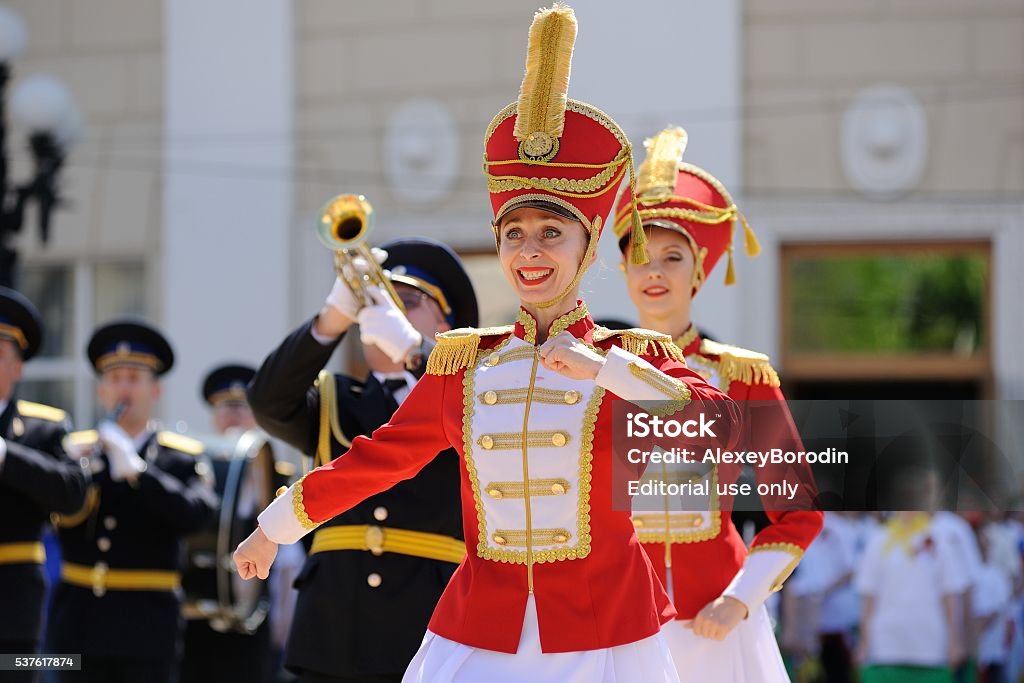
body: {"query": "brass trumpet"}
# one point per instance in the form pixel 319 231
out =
pixel 344 223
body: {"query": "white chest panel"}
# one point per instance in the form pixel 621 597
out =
pixel 534 497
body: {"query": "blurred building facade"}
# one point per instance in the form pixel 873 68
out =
pixel 876 147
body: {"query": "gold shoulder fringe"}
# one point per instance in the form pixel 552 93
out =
pixel 736 364
pixel 180 442
pixel 456 349
pixel 41 412
pixel 642 342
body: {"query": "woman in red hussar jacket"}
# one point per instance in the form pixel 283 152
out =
pixel 722 633
pixel 555 585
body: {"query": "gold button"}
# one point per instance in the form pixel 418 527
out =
pixel 109 523
pixel 494 493
pixel 572 397
pixel 638 523
pixel 374 580
pixel 500 540
pixel 380 513
pixel 558 489
pixel 280 492
pixel 103 543
pixel 558 439
pixel 490 397
pixel 491 360
pixel 697 521
pixel 487 442
pixel 559 538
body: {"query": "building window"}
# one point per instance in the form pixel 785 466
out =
pixel 913 312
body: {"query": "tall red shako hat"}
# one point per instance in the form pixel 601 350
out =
pixel 553 153
pixel 678 196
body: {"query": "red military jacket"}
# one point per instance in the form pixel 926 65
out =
pixel 536 466
pixel 706 553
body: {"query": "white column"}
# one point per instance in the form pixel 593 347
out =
pixel 671 62
pixel 227 188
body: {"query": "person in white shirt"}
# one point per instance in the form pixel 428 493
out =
pixel 910 578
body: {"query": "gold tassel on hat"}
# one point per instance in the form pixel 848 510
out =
pixel 540 112
pixel 730 271
pixel 750 243
pixel 638 255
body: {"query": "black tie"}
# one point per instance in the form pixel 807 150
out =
pixel 393 385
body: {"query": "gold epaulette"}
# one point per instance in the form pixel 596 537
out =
pixel 41 412
pixel 85 437
pixel 641 342
pixel 180 442
pixel 741 365
pixel 456 349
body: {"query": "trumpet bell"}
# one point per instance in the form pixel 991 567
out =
pixel 345 221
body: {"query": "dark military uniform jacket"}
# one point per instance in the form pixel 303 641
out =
pixel 357 613
pixel 37 478
pixel 129 526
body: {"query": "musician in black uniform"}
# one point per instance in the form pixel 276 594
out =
pixel 119 600
pixel 366 593
pixel 36 478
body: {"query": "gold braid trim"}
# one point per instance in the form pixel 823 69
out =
pixel 544 92
pixel 92 502
pixel 457 349
pixel 329 421
pixel 659 169
pixel 677 391
pixel 299 506
pixel 740 365
pixel 790 548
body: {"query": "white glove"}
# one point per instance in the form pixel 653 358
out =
pixel 3 452
pixel 125 463
pixel 385 326
pixel 341 296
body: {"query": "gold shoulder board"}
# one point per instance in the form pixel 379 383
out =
pixel 41 412
pixel 180 442
pixel 641 342
pixel 736 364
pixel 456 349
pixel 86 437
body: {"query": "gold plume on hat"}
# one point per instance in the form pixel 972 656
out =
pixel 540 111
pixel 657 174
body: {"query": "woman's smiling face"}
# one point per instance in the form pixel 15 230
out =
pixel 540 253
pixel 666 284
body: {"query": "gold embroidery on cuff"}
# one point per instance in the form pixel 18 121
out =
pixel 300 508
pixel 796 551
pixel 677 391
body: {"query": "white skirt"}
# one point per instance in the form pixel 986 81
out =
pixel 440 660
pixel 749 654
